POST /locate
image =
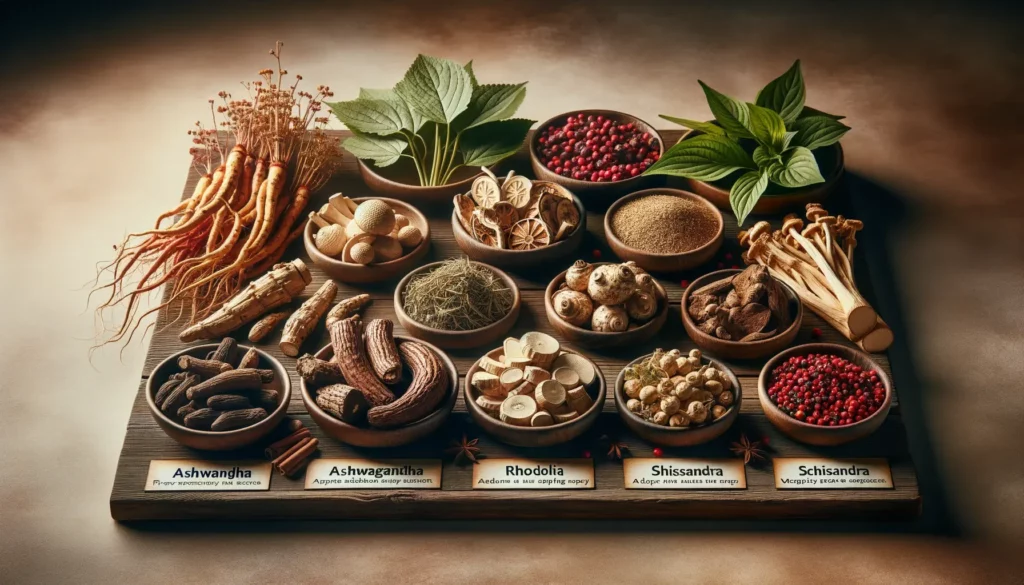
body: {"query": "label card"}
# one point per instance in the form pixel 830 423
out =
pixel 533 474
pixel 374 474
pixel 193 475
pixel 684 474
pixel 818 473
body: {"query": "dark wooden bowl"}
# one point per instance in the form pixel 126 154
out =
pixel 404 186
pixel 601 339
pixel 588 190
pixel 813 434
pixel 458 339
pixel 664 262
pixel 534 436
pixel 520 258
pixel 358 273
pixel 736 350
pixel 226 440
pixel 678 436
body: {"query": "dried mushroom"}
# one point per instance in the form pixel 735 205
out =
pixel 749 306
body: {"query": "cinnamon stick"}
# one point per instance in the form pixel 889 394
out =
pixel 293 459
pixel 274 450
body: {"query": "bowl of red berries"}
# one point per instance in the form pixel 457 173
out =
pixel 595 152
pixel 824 393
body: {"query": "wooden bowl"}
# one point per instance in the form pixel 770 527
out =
pixel 813 434
pixel 358 273
pixel 588 190
pixel 674 262
pixel 371 437
pixel 227 440
pixel 403 185
pixel 601 339
pixel 737 350
pixel 520 258
pixel 678 436
pixel 534 436
pixel 458 339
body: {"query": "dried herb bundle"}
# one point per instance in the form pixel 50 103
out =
pixel 457 296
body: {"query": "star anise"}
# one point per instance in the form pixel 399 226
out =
pixel 464 450
pixel 616 448
pixel 748 450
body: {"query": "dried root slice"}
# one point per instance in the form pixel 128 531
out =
pixel 343 402
pixel 487 384
pixel 512 349
pixel 549 395
pixel 542 419
pixel 516 190
pixel 464 207
pixel 567 377
pixel 485 191
pixel 491 406
pixel 520 363
pixel 535 375
pixel 566 212
pixel 482 233
pixel 564 231
pixel 524 388
pixel 541 348
pixel 492 366
pixel 511 378
pixel 529 234
pixel 518 410
pixel 566 416
pixel 579 400
pixel 505 215
pixel 488 218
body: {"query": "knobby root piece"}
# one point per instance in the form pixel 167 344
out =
pixel 302 321
pixel 265 325
pixel 317 373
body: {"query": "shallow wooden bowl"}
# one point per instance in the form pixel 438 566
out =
pixel 371 437
pixel 813 434
pixel 534 436
pixel 678 436
pixel 404 186
pixel 664 262
pixel 736 350
pixel 227 440
pixel 590 191
pixel 600 339
pixel 520 258
pixel 457 339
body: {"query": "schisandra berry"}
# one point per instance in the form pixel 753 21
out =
pixel 597 149
pixel 825 390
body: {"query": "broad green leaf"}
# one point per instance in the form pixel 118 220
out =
pixel 745 192
pixel 381 150
pixel 798 169
pixel 788 140
pixel 705 127
pixel 472 76
pixel 815 132
pixel 373 116
pixel 439 89
pixel 411 120
pixel 704 158
pixel 731 114
pixel 767 127
pixel 489 143
pixel 785 94
pixel 763 157
pixel 809 111
pixel 491 103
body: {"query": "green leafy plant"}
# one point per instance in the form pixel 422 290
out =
pixel 439 116
pixel 769 141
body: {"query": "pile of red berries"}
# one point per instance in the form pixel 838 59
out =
pixel 597 149
pixel 825 390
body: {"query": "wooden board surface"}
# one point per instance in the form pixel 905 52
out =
pixel 287 499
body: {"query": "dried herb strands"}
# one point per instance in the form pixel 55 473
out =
pixel 663 224
pixel 363 233
pixel 459 295
pixel 606 297
pixel 678 390
pixel 748 306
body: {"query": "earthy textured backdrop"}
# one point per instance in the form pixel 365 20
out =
pixel 93 113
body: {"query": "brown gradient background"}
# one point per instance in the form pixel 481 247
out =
pixel 93 112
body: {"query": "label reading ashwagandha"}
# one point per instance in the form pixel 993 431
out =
pixel 798 473
pixel 683 474
pixel 373 474
pixel 189 475
pixel 533 474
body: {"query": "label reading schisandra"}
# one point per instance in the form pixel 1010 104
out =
pixel 802 473
pixel 533 474
pixel 193 475
pixel 683 474
pixel 374 474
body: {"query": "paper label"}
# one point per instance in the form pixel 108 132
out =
pixel 814 473
pixel 373 474
pixel 193 475
pixel 533 474
pixel 683 474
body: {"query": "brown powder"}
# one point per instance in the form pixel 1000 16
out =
pixel 664 224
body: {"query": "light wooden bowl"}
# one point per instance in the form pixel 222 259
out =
pixel 673 262
pixel 358 273
pixel 371 437
pixel 458 339
pixel 678 436
pixel 599 193
pixel 226 440
pixel 534 436
pixel 601 339
pixel 404 185
pixel 813 434
pixel 520 258
pixel 736 350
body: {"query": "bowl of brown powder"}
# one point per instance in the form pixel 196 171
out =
pixel 664 230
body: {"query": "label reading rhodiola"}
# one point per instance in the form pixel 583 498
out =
pixel 188 475
pixel 803 473
pixel 533 474
pixel 373 474
pixel 684 474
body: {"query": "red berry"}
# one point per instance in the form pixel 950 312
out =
pixel 684 283
pixel 728 255
pixel 816 333
pixel 596 253
pixel 657 452
pixel 586 454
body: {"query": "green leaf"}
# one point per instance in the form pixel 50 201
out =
pixel 767 127
pixel 745 192
pixel 798 169
pixel 809 111
pixel 788 140
pixel 785 94
pixel 705 127
pixel 411 120
pixel 704 158
pixel 491 103
pixel 472 76
pixel 731 114
pixel 439 89
pixel 484 145
pixel 373 116
pixel 382 151
pixel 763 157
pixel 814 132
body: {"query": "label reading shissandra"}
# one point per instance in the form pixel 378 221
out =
pixel 373 474
pixel 831 474
pixel 533 474
pixel 683 474
pixel 188 475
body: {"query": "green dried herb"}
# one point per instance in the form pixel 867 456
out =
pixel 457 296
